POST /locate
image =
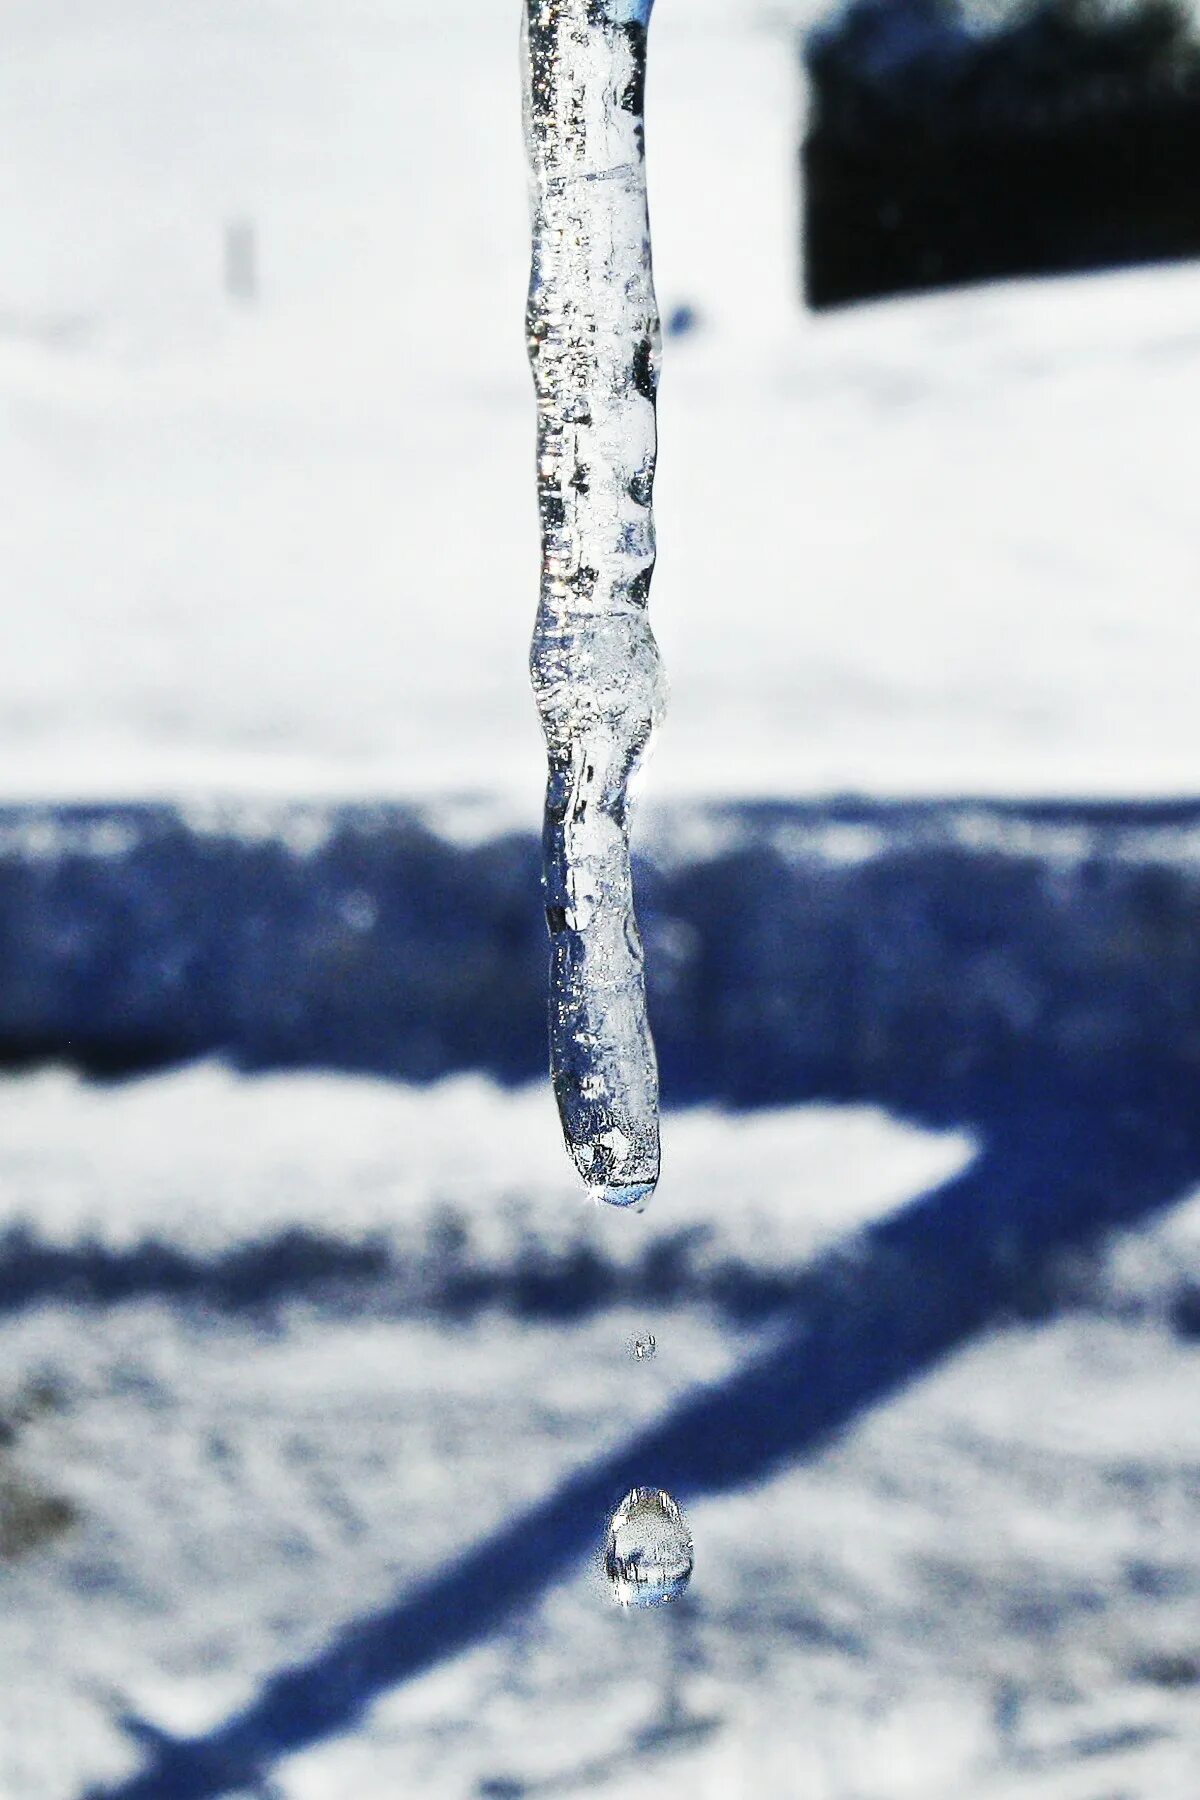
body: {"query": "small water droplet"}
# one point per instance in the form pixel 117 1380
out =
pixel 631 1194
pixel 644 1347
pixel 648 1557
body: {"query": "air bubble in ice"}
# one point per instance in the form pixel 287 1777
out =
pixel 648 1556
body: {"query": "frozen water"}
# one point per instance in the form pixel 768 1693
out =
pixel 593 337
pixel 648 1557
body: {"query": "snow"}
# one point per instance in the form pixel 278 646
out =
pixel 986 1586
pixel 957 530
pixel 210 1162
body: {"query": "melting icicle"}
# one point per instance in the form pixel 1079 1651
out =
pixel 648 1557
pixel 593 335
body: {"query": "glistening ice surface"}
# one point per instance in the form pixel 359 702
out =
pixel 593 335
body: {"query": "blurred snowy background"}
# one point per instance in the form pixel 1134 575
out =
pixel 315 1380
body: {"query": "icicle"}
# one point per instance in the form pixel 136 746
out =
pixel 593 334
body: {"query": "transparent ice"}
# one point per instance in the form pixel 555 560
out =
pixel 648 1556
pixel 593 336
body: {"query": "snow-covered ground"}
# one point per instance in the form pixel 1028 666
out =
pixel 208 1160
pixel 944 545
pixel 988 1587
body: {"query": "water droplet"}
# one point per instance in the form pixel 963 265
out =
pixel 644 1347
pixel 648 1556
pixel 632 1194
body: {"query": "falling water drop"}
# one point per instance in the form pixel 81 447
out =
pixel 648 1556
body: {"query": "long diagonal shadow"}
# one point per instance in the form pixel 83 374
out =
pixel 871 1317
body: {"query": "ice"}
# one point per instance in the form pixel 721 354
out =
pixel 593 337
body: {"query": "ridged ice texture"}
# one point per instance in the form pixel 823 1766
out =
pixel 593 333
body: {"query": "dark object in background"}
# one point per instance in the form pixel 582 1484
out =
pixel 681 320
pixel 937 155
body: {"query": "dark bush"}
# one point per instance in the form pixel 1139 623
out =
pixel 936 155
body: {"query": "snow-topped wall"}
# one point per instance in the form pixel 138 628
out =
pixel 951 960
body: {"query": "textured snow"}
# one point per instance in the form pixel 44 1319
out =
pixel 988 1586
pixel 977 1593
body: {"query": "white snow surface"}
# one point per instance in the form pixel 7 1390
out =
pixel 939 545
pixel 986 1587
pixel 208 1161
